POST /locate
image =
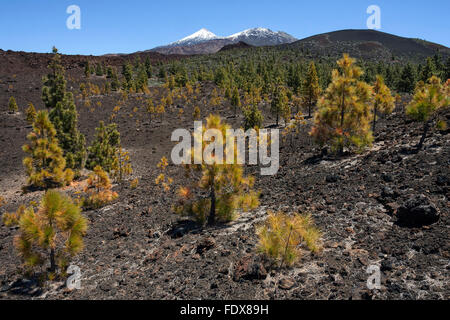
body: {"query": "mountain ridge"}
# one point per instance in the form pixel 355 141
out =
pixel 204 41
pixel 368 44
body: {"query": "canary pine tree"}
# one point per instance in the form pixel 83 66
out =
pixel 279 102
pixel 127 72
pixel 12 105
pixel 428 99
pixel 87 69
pixel 383 101
pixel 344 113
pixel 293 128
pixel 428 71
pixel 63 114
pixel 151 110
pixel 226 187
pixel 54 232
pixel 310 88
pixel 99 189
pixel 30 113
pixel 196 113
pixel 122 165
pixel 235 100
pixel 282 234
pixel 407 79
pixel 45 165
pixel 161 110
pixel 103 151
pixel 253 117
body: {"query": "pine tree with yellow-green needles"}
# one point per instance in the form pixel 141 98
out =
pixel 310 88
pixel 45 165
pixel 12 105
pixel 282 234
pixel 344 112
pixel 383 102
pixel 54 231
pixel 428 99
pixel 226 187
pixel 99 189
pixel 30 113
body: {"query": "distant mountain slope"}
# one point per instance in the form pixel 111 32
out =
pixel 204 47
pixel 204 41
pixel 239 45
pixel 369 44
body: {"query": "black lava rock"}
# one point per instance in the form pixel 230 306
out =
pixel 331 178
pixel 417 211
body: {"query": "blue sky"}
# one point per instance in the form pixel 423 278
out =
pixel 109 26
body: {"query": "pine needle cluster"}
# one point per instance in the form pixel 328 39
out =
pixel 281 237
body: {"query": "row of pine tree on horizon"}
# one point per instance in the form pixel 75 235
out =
pixel 344 117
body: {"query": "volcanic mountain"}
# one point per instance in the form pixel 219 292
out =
pixel 369 44
pixel 204 41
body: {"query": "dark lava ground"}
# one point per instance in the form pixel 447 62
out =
pixel 136 248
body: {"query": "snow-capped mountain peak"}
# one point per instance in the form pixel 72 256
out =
pixel 251 31
pixel 199 36
pixel 262 37
pixel 204 41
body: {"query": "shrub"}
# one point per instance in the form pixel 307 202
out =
pixel 282 234
pixel 54 232
pixel 134 183
pixel 162 179
pixel 99 189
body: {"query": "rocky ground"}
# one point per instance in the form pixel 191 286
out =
pixel 136 248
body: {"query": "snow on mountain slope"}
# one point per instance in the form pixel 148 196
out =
pixel 262 37
pixel 204 41
pixel 197 37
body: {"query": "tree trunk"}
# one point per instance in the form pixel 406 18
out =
pixel 426 127
pixel 309 107
pixel 212 212
pixel 52 260
pixel 341 147
pixel 374 118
